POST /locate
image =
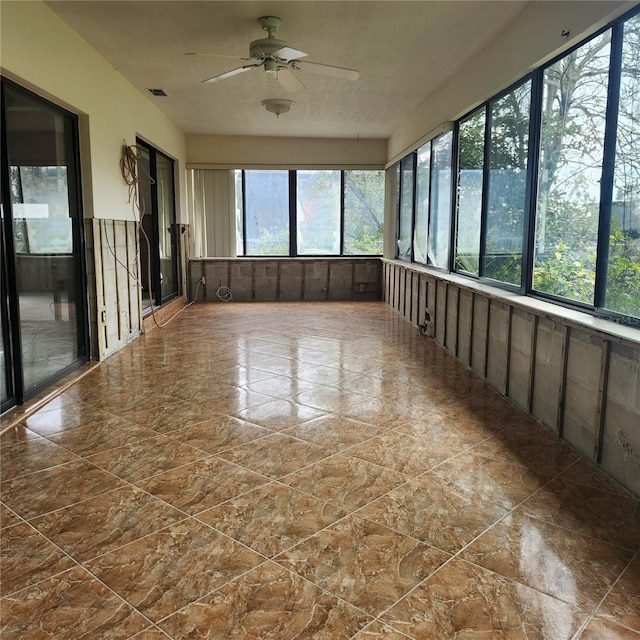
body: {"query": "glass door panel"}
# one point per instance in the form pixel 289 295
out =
pixel 166 227
pixel 158 241
pixel 45 225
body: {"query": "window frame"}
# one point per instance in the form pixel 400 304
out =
pixel 292 178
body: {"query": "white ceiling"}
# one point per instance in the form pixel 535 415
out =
pixel 403 51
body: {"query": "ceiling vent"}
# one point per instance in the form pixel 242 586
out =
pixel 157 92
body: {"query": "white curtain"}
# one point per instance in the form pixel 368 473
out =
pixel 212 213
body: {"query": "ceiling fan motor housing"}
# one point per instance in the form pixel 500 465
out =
pixel 266 47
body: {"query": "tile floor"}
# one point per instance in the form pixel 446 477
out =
pixel 316 471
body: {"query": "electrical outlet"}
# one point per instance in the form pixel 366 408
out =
pixel 203 281
pixel 361 288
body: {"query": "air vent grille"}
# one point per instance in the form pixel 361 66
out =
pixel 157 92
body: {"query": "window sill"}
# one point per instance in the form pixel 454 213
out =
pixel 572 317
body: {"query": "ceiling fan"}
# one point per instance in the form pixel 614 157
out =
pixel 278 58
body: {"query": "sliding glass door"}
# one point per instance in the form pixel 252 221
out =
pixel 44 325
pixel 159 244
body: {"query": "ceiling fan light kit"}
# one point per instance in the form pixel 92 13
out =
pixel 277 106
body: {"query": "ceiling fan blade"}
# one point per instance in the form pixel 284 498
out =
pixel 287 53
pixel 328 70
pixel 289 80
pixel 215 55
pixel 230 74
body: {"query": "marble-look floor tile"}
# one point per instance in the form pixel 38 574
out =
pixel 439 426
pixel 171 568
pixel 278 415
pixel 272 518
pixel 69 417
pixel 464 601
pixel 334 432
pixel 489 480
pixel 360 383
pixel 379 631
pixel 275 455
pixel 169 417
pixel 281 386
pixel 321 375
pixel 269 603
pixel 202 484
pixel 328 398
pixel 542 455
pixel 220 433
pixel 489 408
pixel 70 605
pixel 106 522
pixel 550 559
pixel 27 558
pixel 381 411
pixel 600 629
pixel 55 488
pixel 584 472
pixel 17 434
pixel 152 633
pixel 437 515
pixel 345 481
pixel 364 563
pixel 30 455
pixel 403 453
pixel 589 511
pixel 99 437
pixel 7 517
pixel 280 366
pixel 623 602
pixel 149 457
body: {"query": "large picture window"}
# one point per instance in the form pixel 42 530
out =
pixel 423 184
pixel 471 142
pixel 363 230
pixel 506 185
pixel 622 291
pixel 574 106
pixel 318 212
pixel 407 183
pixel 330 212
pixel 440 202
pixel 266 213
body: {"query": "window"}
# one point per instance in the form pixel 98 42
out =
pixel 239 213
pixel 318 212
pixel 407 169
pixel 440 213
pixel 622 292
pixel 363 231
pixel 471 137
pixel 423 183
pixel 574 104
pixel 506 187
pixel 332 212
pixel 266 213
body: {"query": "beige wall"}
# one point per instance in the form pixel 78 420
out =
pixel 531 39
pixel 41 53
pixel 245 152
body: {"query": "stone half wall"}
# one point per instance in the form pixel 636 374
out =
pixel 580 381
